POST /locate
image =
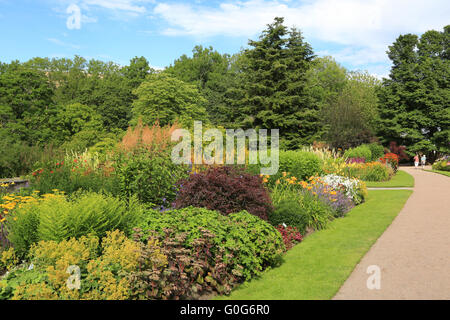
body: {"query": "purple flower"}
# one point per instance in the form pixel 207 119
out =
pixel 355 160
pixel 339 202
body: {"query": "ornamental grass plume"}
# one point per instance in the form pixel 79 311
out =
pixel 154 138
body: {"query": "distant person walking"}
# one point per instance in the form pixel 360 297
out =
pixel 416 160
pixel 424 161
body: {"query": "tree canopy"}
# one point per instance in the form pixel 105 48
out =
pixel 275 83
pixel 166 99
pixel 415 101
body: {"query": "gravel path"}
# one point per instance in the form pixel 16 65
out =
pixel 413 254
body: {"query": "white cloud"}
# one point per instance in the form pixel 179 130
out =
pixel 230 19
pixel 363 27
pixel 121 5
pixel 342 21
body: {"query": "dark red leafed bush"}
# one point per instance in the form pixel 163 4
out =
pixel 400 151
pixel 291 235
pixel 227 190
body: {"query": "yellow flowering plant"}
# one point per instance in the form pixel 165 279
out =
pixel 104 269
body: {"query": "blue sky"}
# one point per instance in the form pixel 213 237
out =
pixel 355 32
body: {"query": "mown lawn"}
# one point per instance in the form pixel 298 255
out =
pixel 445 173
pixel 317 267
pixel 401 179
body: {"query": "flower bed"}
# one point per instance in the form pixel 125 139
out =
pixel 139 227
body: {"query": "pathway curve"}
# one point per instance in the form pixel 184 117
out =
pixel 413 253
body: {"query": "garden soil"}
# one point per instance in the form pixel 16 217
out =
pixel 413 254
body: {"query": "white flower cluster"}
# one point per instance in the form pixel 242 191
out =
pixel 349 186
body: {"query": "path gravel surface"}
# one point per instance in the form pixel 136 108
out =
pixel 413 254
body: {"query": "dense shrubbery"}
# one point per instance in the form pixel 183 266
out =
pixel 307 205
pixel 143 165
pixel 184 253
pixel 366 152
pixel 104 270
pixel 300 164
pixel 225 189
pixel 249 244
pixel 56 217
pixel 189 273
pixel 290 212
pixel 363 151
pixel 377 151
pixel 19 158
pixel 442 164
pixel 149 177
pixel 181 254
pixel 140 166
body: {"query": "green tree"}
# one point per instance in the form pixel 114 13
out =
pixel 275 85
pixel 99 84
pixel 326 79
pixel 349 118
pixel 25 96
pixel 415 101
pixel 72 119
pixel 165 99
pixel 137 71
pixel 211 72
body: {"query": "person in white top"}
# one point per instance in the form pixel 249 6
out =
pixel 424 160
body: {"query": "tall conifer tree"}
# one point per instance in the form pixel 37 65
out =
pixel 276 96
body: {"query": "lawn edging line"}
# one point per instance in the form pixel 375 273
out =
pixel 444 173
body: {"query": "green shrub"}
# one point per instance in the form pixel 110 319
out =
pixel 56 217
pixel 377 151
pixel 303 210
pixel 249 243
pixel 300 164
pixel 363 151
pixel 282 191
pixel 20 158
pixel 318 213
pixel 302 204
pixel 150 176
pixel 289 212
pixel 441 165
